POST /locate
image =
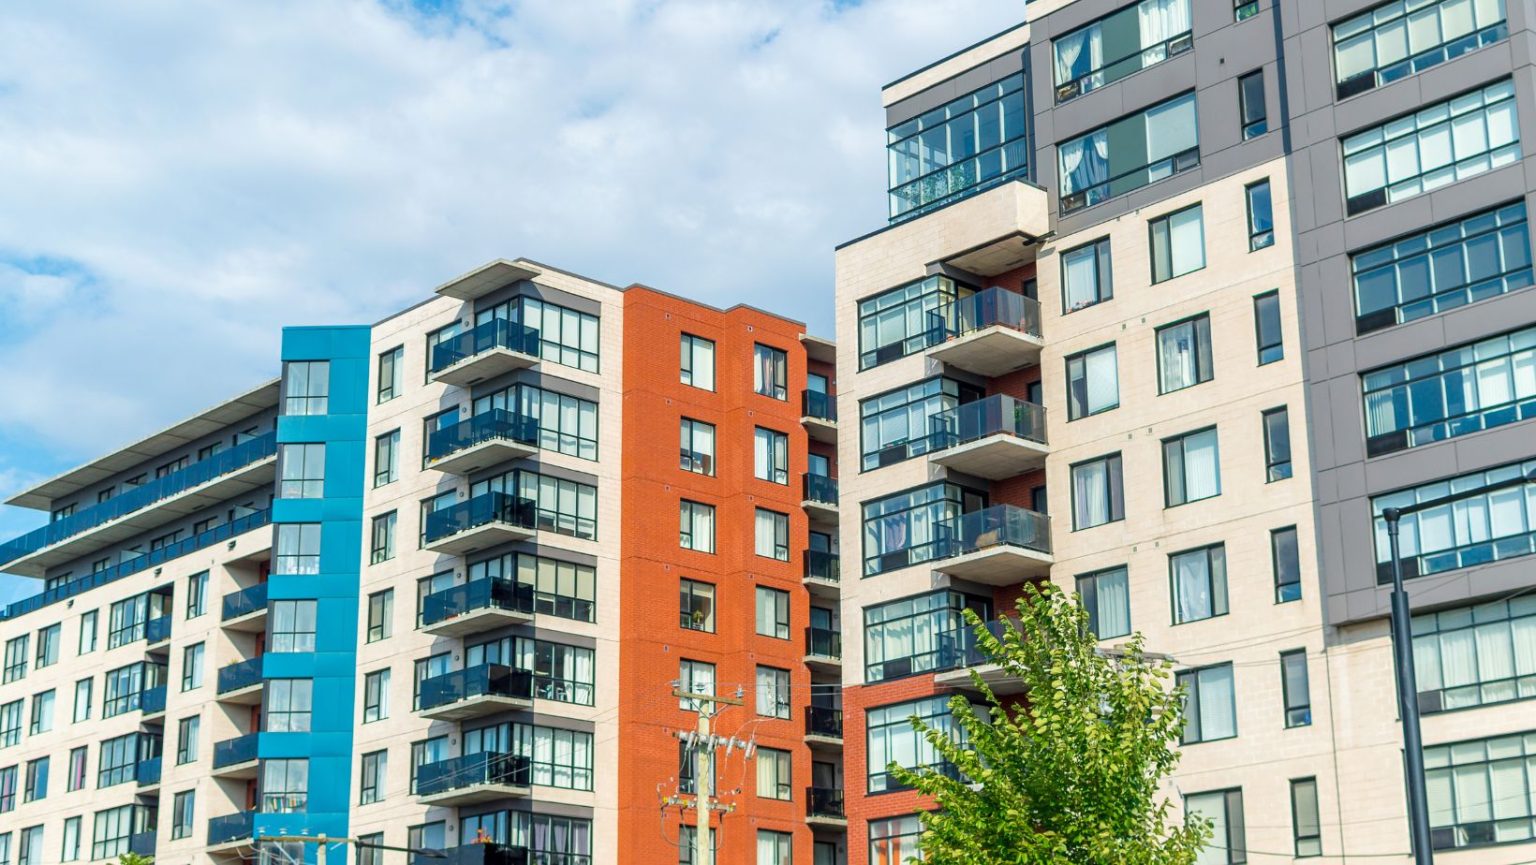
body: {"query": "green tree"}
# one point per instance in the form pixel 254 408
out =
pixel 1070 776
pixel 135 859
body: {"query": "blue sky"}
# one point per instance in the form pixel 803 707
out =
pixel 185 179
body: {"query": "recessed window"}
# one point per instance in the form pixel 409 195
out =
pixel 696 606
pixel 1199 583
pixel 1277 444
pixel 1244 9
pixel 1184 354
pixel 1250 103
pixel 770 456
pixel 771 534
pixel 391 373
pixel 697 447
pixel 1210 704
pixel 1107 598
pixel 1178 243
pixel 698 362
pixel 770 371
pixel 1306 825
pixel 1098 492
pixel 1229 838
pixel 1298 693
pixel 772 613
pixel 1150 145
pixel 1086 277
pixel 1191 467
pixel 1261 216
pixel 1266 327
pixel 1287 564
pixel 1093 382
pixel 306 387
pixel 697 525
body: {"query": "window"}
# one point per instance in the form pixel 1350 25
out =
pixel 391 373
pixel 565 336
pixel 1250 103
pixel 1261 218
pixel 697 448
pixel 381 615
pixel 42 712
pixel 1266 325
pixel 698 362
pixel 87 632
pixel 562 506
pixel 125 687
pixel 696 606
pixel 1093 382
pixel 1491 526
pixel 698 526
pixel 10 724
pixel 908 528
pixel 695 677
pixel 16 658
pixel 895 840
pixel 897 425
pixel 1438 145
pixel 197 595
pixel 687 839
pixel 892 739
pixel 183 807
pixel 76 779
pixel 560 672
pixel 1184 354
pixel 918 634
pixel 83 695
pixel 116 760
pixel 192 667
pixel 771 534
pixel 306 387
pixel 30 849
pixel 48 645
pixel 426 836
pixel 187 730
pixel 1210 704
pixel 774 848
pixel 773 778
pixel 375 771
pixel 1098 492
pixel 376 696
pixel 972 143
pixel 36 785
pixel 1199 583
pixel 1476 656
pixel 1191 467
pixel 560 758
pixel 770 371
pixel 1224 808
pixel 298 549
pixel 1479 793
pixel 566 424
pixel 1150 145
pixel 1450 394
pixel 303 471
pixel 1450 265
pixel 382 547
pixel 293 626
pixel 1106 596
pixel 1293 682
pixel 770 456
pixel 773 694
pixel 1277 444
pixel 1287 563
pixel 563 589
pixel 1306 826
pixel 687 776
pixel 386 458
pixel 1086 276
pixel 1178 243
pixel 1124 42
pixel 71 850
pixel 772 613
pixel 288 704
pixel 905 320
pixel 1392 41
pixel 8 789
pixel 284 786
pixel 1244 9
pixel 116 826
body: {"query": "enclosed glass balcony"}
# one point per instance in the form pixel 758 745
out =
pixel 479 605
pixel 995 438
pixel 484 521
pixel 487 439
pixel 495 347
pixel 236 758
pixel 1000 546
pixel 989 333
pixel 474 778
pixel 476 691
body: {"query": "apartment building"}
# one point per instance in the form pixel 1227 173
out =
pixel 1175 297
pixel 424 591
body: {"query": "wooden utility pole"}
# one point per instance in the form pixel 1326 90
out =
pixel 704 743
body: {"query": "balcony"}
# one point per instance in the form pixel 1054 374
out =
pixel 824 649
pixel 821 573
pixel 994 438
pixel 496 347
pixel 823 726
pixel 240 682
pixel 824 807
pixel 147 774
pixel 481 854
pixel 157 630
pixel 484 521
pixel 236 758
pixel 476 606
pixel 989 333
pixel 485 440
pixel 234 472
pixel 246 610
pixel 999 546
pixel 473 778
pixel 231 833
pixel 959 655
pixel 818 414
pixel 152 703
pixel 142 843
pixel 474 692
pixel 988 232
pixel 820 498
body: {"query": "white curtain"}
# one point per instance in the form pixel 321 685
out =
pixel 1114 605
pixel 1068 50
pixel 1080 269
pixel 1193 590
pixel 1202 467
pixel 1211 806
pixel 1176 357
pixel 1103 381
pixel 1072 153
pixel 764 533
pixel 1217 704
pixel 1090 489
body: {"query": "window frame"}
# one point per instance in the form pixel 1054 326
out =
pixel 1166 221
pixel 1282 593
pixel 1259 237
pixel 1272 351
pixel 1204 361
pixel 1295 703
pixel 1103 274
pixel 1219 601
pixel 1181 441
pixel 1253 124
pixel 1114 467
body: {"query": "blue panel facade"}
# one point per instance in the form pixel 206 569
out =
pixel 333 664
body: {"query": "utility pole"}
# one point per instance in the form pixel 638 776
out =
pixel 703 745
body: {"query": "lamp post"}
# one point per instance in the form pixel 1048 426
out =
pixel 1402 651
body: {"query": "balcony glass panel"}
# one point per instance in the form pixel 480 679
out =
pixel 244 601
pixel 820 488
pixel 233 752
pixel 999 414
pixel 483 594
pixel 993 307
pixel 241 674
pixel 473 769
pixel 231 827
pixel 819 405
pixel 493 425
pixel 484 680
pixel 481 510
pixel 824 642
pixel 493 334
pixel 824 721
pixel 998 525
pixel 821 565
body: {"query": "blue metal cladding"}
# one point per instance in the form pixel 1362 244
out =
pixel 333 664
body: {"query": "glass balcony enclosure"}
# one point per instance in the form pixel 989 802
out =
pixel 493 425
pixel 973 143
pixel 493 334
pixel 484 680
pixel 1405 37
pixel 481 510
pixel 1129 153
pixel 1120 44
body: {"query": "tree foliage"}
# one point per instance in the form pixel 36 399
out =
pixel 1071 776
pixel 135 859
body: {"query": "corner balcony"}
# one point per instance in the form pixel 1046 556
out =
pixel 824 650
pixel 818 414
pixel 146 773
pixel 820 500
pixel 998 546
pixel 484 521
pixel 959 655
pixel 236 758
pixel 989 333
pixel 240 682
pixel 494 348
pixel 485 440
pixel 824 727
pixel 995 438
pixel 239 470
pixel 824 808
pixel 475 692
pixel 229 835
pixel 473 779
pixel 476 606
pixel 489 854
pixel 142 843
pixel 152 704
pixel 246 610
pixel 822 573
pixel 157 632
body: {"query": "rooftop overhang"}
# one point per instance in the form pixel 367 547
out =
pixel 487 278
pixel 819 348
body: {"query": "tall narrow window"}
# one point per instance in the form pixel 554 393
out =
pixel 695 677
pixel 1191 467
pixel 772 613
pixel 1098 492
pixel 197 594
pixel 183 806
pixel 386 458
pixel 1184 354
pixel 42 711
pixel 770 371
pixel 696 606
pixel 1287 562
pixel 1277 444
pixel 192 667
pixel 1266 327
pixel 303 471
pixel 1086 276
pixel 697 526
pixel 1306 825
pixel 1093 382
pixel 187 730
pixel 306 387
pixel 771 534
pixel 773 692
pixel 1199 583
pixel 1107 598
pixel 293 626
pixel 383 544
pixel 773 781
pixel 87 632
pixel 376 696
pixel 698 362
pixel 1250 100
pixel 71 851
pixel 1178 243
pixel 770 455
pixel 298 549
pixel 371 784
pixel 381 615
pixel 83 690
pixel 284 786
pixel 1298 694
pixel 1229 838
pixel 697 447
pixel 1210 704
pixel 1261 216
pixel 391 373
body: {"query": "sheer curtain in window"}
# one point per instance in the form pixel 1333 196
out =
pixel 1089 493
pixel 1114 604
pixel 1171 129
pixel 1159 21
pixel 1176 356
pixel 1078 54
pixel 1080 268
pixel 1202 467
pixel 1103 380
pixel 1192 593
pixel 1217 704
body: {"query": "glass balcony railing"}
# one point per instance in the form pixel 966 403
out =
pixel 821 489
pixel 821 565
pixel 491 593
pixel 819 405
pixel 991 307
pixel 824 721
pixel 147 772
pixel 999 414
pixel 233 752
pixel 481 510
pixel 210 538
pixel 485 680
pixel 142 496
pixel 885 782
pixel 231 827
pixel 241 674
pixel 957 649
pixel 142 843
pixel 999 525
pixel 824 802
pixel 512 770
pixel 245 601
pixel 488 854
pixel 496 333
pixel 157 630
pixel 494 425
pixel 152 700
pixel 824 642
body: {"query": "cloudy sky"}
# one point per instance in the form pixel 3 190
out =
pixel 183 179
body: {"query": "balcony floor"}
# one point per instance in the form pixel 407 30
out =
pixel 820 512
pixel 243 770
pixel 823 742
pixel 475 707
pixel 475 794
pixel 1002 565
pixel 995 457
pixel 477 621
pixel 821 588
pixel 479 538
pixel 820 429
pixel 826 821
pixel 483 455
pixel 250 695
pixel 254 622
pixel 989 352
pixel 1001 683
pixel 485 365
pixel 240 848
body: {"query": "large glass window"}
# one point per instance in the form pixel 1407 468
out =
pixel 1398 39
pixel 566 337
pixel 1106 596
pixel 917 634
pixel 564 506
pixel 293 626
pixel 1210 704
pixel 303 471
pixel 770 371
pixel 1149 146
pixel 1178 243
pixel 697 452
pixel 909 528
pixel 1266 327
pixel 697 526
pixel 1448 266
pixel 773 774
pixel 284 786
pixel 1184 354
pixel 772 612
pixel 958 149
pixel 112 831
pixel 1199 583
pixel 1480 792
pixel 1453 393
pixel 1093 382
pixel 1436 146
pixel 894 841
pixel 298 549
pixel 771 534
pixel 1191 467
pixel 770 455
pixel 560 588
pixel 903 321
pixel 1120 44
pixel 698 362
pixel 1475 656
pixel 898 425
pixel 289 704
pixel 1474 531
pixel 1229 839
pixel 1098 492
pixel 1086 276
pixel 892 739
pixel 306 387
pixel 567 424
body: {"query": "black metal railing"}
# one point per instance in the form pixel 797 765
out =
pixel 821 565
pixel 233 752
pixel 496 333
pixel 485 680
pixel 992 307
pixel 823 642
pixel 231 827
pixel 957 649
pixel 824 802
pixel 998 414
pixel 820 488
pixel 824 721
pixel 481 510
pixel 819 405
pixel 244 601
pixel 489 593
pixel 494 425
pixel 456 773
pixel 240 674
